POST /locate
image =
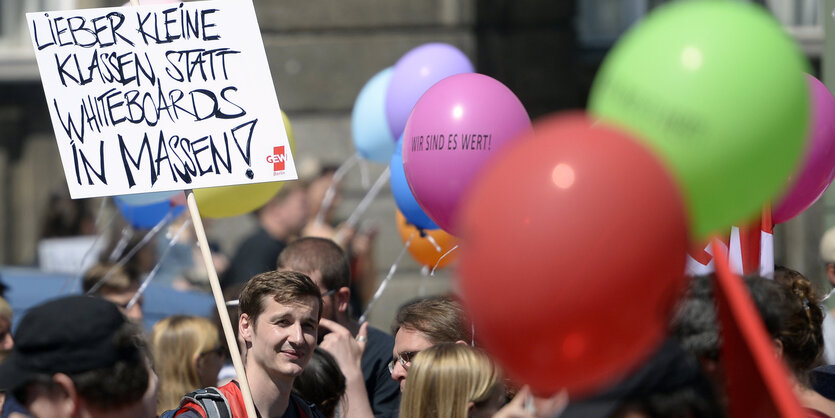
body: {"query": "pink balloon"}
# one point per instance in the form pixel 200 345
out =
pixel 453 130
pixel 818 168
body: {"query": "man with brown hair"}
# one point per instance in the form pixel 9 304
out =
pixel 368 386
pixel 279 322
pixel 423 323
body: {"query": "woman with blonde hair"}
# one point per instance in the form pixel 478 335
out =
pixel 188 353
pixel 452 381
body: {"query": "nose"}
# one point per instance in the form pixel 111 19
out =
pixel 296 334
pixel 398 373
pixel 6 342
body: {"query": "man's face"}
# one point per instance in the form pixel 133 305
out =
pixel 407 343
pixel 282 338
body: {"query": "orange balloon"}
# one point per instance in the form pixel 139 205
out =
pixel 421 248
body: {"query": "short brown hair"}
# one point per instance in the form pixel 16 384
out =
pixel 311 254
pixel 285 287
pixel 108 277
pixel 440 318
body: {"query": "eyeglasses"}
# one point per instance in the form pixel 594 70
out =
pixel 328 293
pixel 405 360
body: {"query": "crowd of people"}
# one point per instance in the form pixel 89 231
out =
pixel 293 306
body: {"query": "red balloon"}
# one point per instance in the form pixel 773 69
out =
pixel 572 255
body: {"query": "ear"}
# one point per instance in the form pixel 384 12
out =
pixel 778 347
pixel 470 406
pixel 343 299
pixel 70 403
pixel 830 272
pixel 245 328
pixel 197 362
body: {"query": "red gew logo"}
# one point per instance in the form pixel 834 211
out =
pixel 277 159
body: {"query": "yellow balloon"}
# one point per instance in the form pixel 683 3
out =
pixel 226 201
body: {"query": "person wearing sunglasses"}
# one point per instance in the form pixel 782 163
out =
pixel 189 353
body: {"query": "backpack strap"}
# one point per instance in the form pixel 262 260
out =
pixel 306 410
pixel 210 400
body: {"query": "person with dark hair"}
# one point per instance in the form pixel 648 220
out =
pixel 369 388
pixel 422 323
pixel 80 357
pixel 279 321
pixel 321 382
pixel 279 221
pixel 792 315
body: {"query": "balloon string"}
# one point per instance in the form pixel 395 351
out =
pixel 442 257
pixel 153 272
pixel 364 203
pixel 134 250
pixel 100 212
pixel 327 201
pixel 424 273
pixel 434 243
pixel 385 281
pixel 127 234
pixel 68 284
pixel 364 174
pixel 828 295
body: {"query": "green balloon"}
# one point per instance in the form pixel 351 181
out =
pixel 717 89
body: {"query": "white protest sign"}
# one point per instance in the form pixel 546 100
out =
pixel 163 97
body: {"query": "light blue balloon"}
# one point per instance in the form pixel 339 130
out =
pixel 369 127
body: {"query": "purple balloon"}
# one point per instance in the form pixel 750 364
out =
pixel 414 73
pixel 818 168
pixel 456 126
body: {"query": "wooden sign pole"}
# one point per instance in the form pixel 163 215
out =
pixel 220 302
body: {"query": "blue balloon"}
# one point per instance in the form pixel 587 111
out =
pixel 403 197
pixel 146 216
pixel 142 199
pixel 369 127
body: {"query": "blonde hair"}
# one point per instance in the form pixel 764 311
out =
pixel 5 310
pixel 445 378
pixel 177 341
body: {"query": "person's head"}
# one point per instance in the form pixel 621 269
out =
pixel 827 253
pixel 114 283
pixel 321 382
pixel 66 217
pixel 318 189
pixel 423 323
pixel 79 356
pixel 792 315
pixel 189 353
pixel 327 265
pixel 452 380
pixel 694 324
pixel 280 312
pixel 6 340
pixel 285 215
